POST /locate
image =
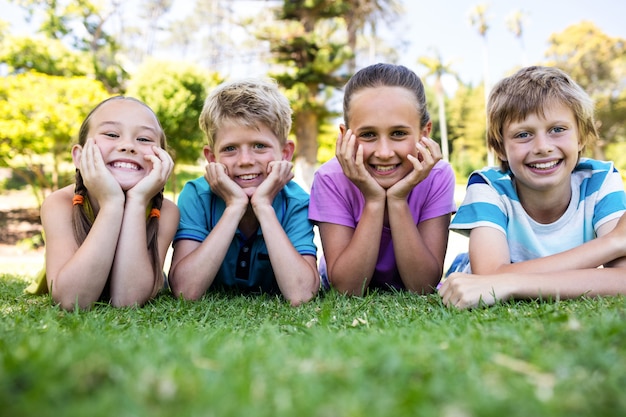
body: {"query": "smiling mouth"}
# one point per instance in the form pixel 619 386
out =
pixel 247 177
pixel 125 165
pixel 384 168
pixel 545 165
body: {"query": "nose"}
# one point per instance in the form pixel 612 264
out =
pixel 542 144
pixel 383 148
pixel 245 156
pixel 126 144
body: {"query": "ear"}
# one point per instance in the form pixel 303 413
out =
pixel 208 154
pixel 288 149
pixel 77 151
pixel 343 128
pixel 426 130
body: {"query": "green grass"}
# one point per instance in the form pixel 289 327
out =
pixel 393 354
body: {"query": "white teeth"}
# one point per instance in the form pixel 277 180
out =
pixel 545 165
pixel 125 165
pixel 248 176
pixel 384 168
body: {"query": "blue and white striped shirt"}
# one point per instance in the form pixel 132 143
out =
pixel 491 200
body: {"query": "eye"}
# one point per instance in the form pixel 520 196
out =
pixel 228 149
pixel 558 129
pixel 521 135
pixel 145 139
pixel 367 136
pixel 259 146
pixel 111 135
pixel 399 134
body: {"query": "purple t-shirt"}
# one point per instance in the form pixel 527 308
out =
pixel 335 199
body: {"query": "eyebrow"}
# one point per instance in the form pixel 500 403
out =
pixel 111 122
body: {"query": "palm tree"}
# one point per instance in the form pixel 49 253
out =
pixel 515 22
pixel 478 19
pixel 360 13
pixel 438 69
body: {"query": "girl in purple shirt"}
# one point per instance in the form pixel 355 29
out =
pixel 383 204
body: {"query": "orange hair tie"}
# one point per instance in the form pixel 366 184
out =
pixel 155 212
pixel 78 200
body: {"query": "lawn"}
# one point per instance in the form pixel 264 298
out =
pixel 393 354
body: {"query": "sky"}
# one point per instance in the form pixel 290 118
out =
pixel 444 25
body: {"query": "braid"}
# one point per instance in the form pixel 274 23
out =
pixel 152 238
pixel 80 221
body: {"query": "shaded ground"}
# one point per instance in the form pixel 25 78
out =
pixel 20 228
pixel 18 224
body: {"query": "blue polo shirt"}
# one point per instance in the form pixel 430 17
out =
pixel 246 266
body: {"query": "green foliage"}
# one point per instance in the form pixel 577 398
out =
pixel 392 354
pixel 597 62
pixel 39 119
pixel 44 55
pixel 176 92
pixel 82 23
pixel 467 125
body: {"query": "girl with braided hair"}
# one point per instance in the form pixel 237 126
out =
pixel 122 226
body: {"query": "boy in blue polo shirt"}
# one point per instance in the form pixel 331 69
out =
pixel 244 224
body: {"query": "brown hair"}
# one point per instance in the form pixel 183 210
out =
pixel 82 222
pixel 386 75
pixel 530 91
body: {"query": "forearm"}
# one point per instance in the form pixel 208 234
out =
pixel 82 279
pixel 591 254
pixel 193 272
pixel 467 291
pixel 297 279
pixel 419 268
pixel 571 283
pixel 132 274
pixel 353 269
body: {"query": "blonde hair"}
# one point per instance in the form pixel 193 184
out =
pixel 530 91
pixel 82 222
pixel 250 102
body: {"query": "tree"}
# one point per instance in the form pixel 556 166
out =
pixel 362 13
pixel 43 55
pixel 310 47
pixel 176 92
pixel 479 20
pixel 435 67
pixel 39 119
pixel 597 62
pixel 59 22
pixel 467 124
pixel 515 22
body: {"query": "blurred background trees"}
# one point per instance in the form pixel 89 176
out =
pixel 82 51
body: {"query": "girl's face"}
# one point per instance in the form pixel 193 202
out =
pixel 246 153
pixel 386 122
pixel 542 152
pixel 125 131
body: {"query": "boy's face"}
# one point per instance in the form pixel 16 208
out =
pixel 246 153
pixel 386 122
pixel 542 152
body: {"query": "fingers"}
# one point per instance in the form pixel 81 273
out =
pixel 282 170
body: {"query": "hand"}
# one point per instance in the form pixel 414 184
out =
pixel 353 166
pixel 224 186
pixel 279 174
pixel 101 184
pixel 467 291
pixel 428 154
pixel 154 182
